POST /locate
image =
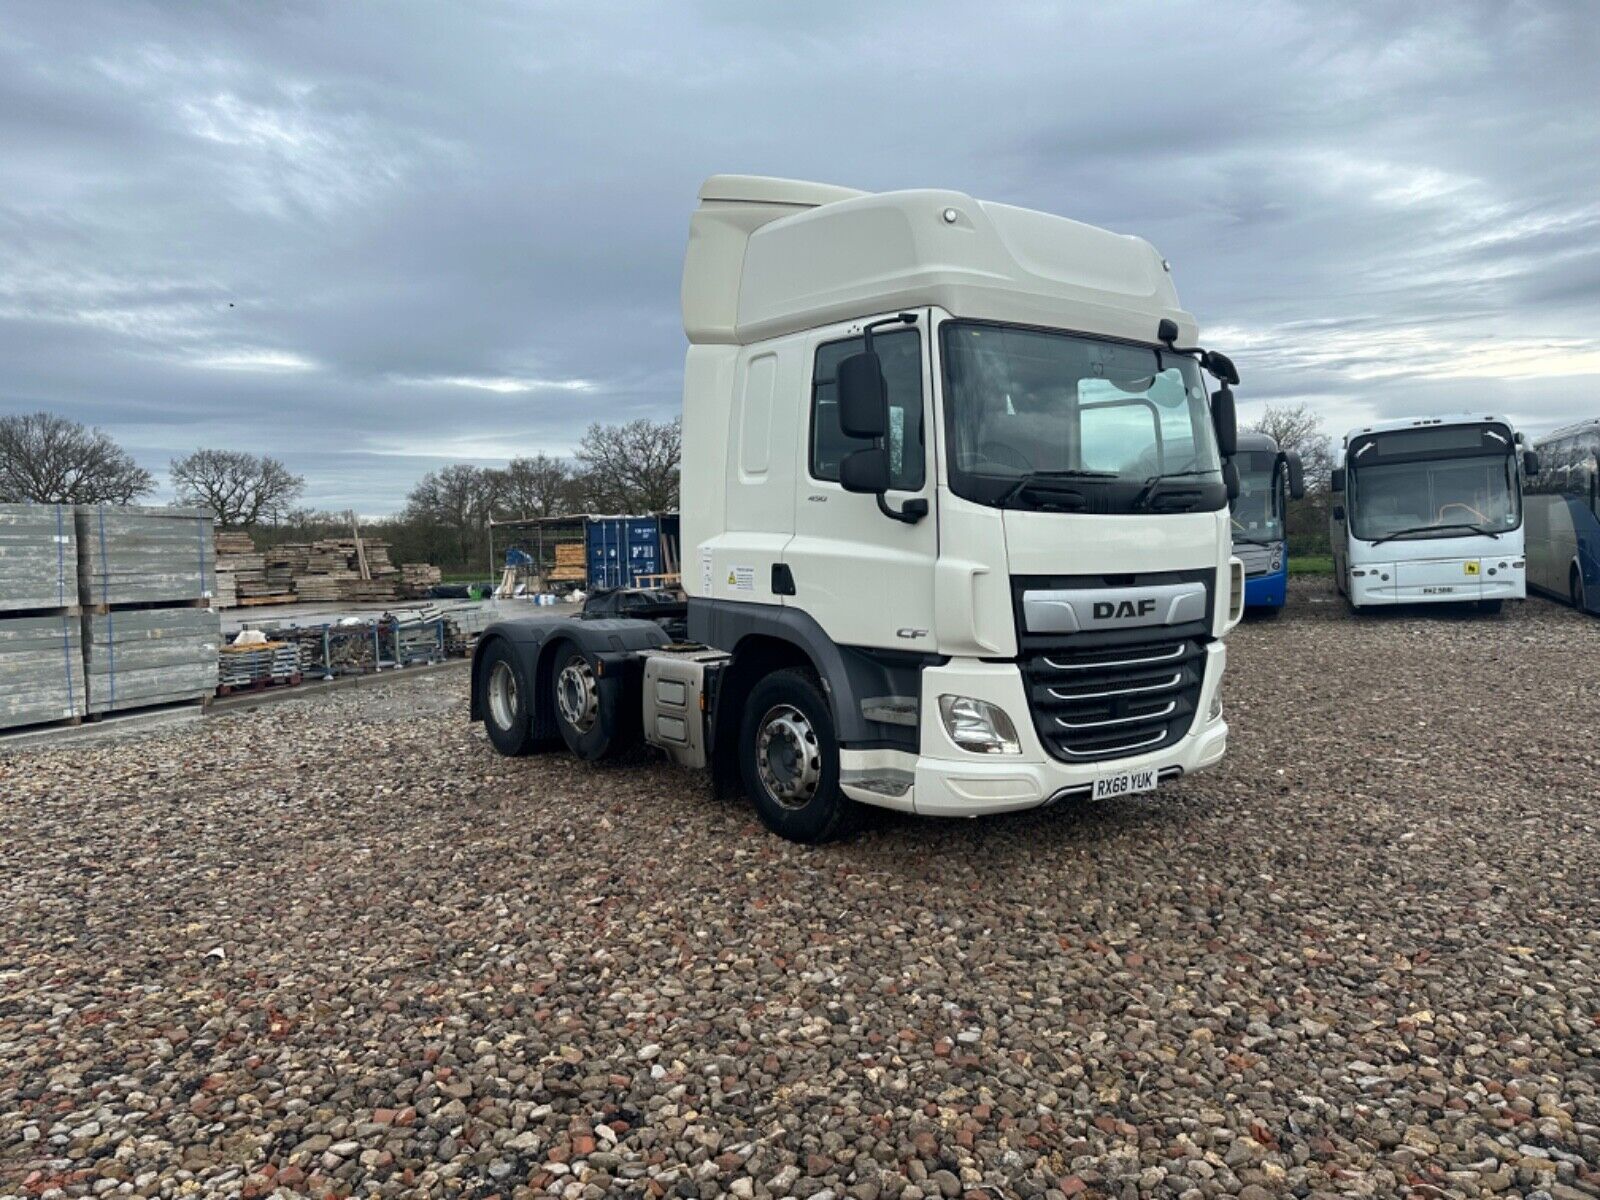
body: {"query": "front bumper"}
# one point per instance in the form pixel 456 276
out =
pixel 949 782
pixel 1267 591
pixel 1447 583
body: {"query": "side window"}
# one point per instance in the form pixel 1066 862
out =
pixel 901 355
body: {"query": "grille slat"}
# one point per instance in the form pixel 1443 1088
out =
pixel 1092 703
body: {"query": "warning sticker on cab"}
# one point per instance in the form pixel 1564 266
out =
pixel 1471 567
pixel 742 579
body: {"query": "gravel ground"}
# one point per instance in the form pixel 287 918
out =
pixel 339 946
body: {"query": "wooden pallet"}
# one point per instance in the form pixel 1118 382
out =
pixel 258 685
pixel 39 727
pixel 200 702
pixel 101 610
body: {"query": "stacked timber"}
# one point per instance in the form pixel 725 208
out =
pixel 243 578
pixel 135 658
pixel 38 557
pixel 41 659
pixel 144 555
pixel 571 565
pixel 417 578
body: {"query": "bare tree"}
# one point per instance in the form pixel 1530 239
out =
pixel 242 489
pixel 540 486
pixel 631 468
pixel 51 460
pixel 1297 427
pixel 453 504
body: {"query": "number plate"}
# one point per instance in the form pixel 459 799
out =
pixel 1125 784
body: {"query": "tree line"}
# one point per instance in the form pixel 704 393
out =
pixel 626 468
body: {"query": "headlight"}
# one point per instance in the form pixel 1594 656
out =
pixel 1216 703
pixel 1277 560
pixel 978 726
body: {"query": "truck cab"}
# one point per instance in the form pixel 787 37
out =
pixel 954 513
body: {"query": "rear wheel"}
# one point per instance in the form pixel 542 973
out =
pixel 789 759
pixel 1575 590
pixel 503 700
pixel 588 720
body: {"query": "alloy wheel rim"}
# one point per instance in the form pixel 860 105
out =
pixel 788 756
pixel 577 695
pixel 503 695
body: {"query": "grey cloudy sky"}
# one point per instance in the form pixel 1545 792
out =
pixel 371 239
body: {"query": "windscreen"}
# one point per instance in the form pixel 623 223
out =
pixel 1258 509
pixel 1434 482
pixel 1023 403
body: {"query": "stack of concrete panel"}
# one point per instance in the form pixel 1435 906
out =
pixel 140 555
pixel 41 670
pixel 134 658
pixel 41 659
pixel 38 557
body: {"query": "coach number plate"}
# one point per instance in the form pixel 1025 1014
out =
pixel 1125 784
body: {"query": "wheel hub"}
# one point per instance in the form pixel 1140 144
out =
pixel 578 695
pixel 788 757
pixel 503 700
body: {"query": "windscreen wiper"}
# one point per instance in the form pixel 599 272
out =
pixel 1250 541
pixel 1150 485
pixel 1430 528
pixel 1043 479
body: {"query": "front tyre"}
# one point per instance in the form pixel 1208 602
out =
pixel 1490 607
pixel 789 759
pixel 503 701
pixel 1575 590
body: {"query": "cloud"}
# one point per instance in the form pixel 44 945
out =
pixel 355 237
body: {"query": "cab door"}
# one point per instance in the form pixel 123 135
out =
pixel 865 578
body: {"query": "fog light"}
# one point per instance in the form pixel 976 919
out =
pixel 978 726
pixel 1216 705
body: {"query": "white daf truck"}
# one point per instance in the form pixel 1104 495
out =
pixel 1429 510
pixel 954 516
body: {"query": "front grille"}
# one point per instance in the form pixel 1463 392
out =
pixel 1096 702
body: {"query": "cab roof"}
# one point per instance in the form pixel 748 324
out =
pixel 769 257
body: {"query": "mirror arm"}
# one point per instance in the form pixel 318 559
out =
pixel 910 512
pixel 904 318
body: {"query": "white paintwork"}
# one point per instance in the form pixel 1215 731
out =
pixel 953 782
pixel 777 267
pixel 773 257
pixel 1426 570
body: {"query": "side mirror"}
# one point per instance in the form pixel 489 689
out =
pixel 1297 475
pixel 1230 480
pixel 1221 366
pixel 863 403
pixel 1226 421
pixel 1338 512
pixel 1530 462
pixel 1336 480
pixel 865 471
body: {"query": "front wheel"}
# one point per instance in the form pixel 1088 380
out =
pixel 1575 590
pixel 1490 606
pixel 789 759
